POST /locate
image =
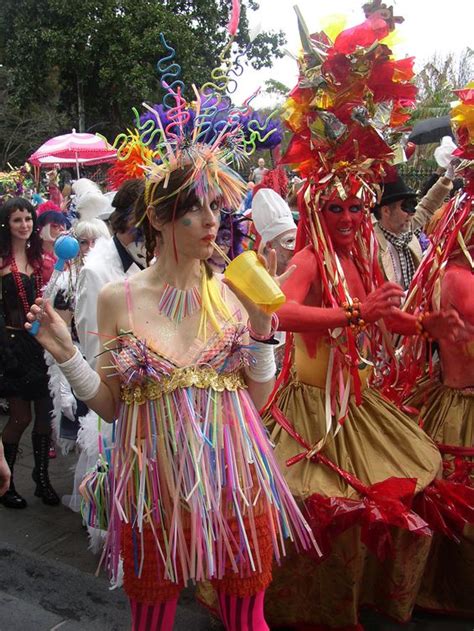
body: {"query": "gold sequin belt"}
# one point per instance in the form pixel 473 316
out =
pixel 192 376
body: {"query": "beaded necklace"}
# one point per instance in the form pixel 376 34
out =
pixel 20 287
pixel 177 304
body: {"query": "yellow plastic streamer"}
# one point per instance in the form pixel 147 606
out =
pixel 212 304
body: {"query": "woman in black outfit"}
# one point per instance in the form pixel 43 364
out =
pixel 23 372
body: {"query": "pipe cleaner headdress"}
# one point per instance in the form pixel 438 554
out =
pixel 208 133
pixel 453 235
pixel 206 138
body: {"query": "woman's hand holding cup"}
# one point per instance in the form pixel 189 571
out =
pixel 249 281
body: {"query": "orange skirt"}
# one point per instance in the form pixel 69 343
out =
pixel 144 569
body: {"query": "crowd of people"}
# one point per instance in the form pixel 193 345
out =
pixel 297 464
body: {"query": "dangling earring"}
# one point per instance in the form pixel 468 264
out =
pixel 28 244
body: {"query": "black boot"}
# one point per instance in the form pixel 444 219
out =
pixel 40 472
pixel 12 499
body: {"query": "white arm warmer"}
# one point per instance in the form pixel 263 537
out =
pixel 264 367
pixel 83 379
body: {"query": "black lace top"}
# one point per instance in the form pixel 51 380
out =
pixel 11 304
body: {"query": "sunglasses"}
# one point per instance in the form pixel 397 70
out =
pixel 408 205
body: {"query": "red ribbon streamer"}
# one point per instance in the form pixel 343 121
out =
pixel 447 507
pixel 383 504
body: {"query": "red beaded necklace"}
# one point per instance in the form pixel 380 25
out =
pixel 20 287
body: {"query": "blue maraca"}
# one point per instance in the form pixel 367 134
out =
pixel 66 248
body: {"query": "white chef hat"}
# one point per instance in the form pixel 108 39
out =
pixel 271 214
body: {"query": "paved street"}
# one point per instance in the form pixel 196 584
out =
pixel 47 573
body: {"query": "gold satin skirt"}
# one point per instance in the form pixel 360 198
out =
pixel 376 442
pixel 448 416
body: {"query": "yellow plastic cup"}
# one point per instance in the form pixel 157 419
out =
pixel 248 275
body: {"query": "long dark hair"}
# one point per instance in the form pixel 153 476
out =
pixel 34 251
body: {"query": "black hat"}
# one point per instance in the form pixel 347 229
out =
pixel 395 191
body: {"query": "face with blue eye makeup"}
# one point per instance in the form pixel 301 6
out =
pixel 343 219
pixel 195 228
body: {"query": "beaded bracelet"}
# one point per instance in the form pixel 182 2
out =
pixel 420 327
pixel 352 313
pixel 269 338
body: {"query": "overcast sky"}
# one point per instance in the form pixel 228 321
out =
pixel 430 26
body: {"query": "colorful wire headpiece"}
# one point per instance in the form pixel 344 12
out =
pixel 208 134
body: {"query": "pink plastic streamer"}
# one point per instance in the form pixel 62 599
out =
pixel 234 18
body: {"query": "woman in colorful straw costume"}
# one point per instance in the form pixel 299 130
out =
pixel 195 491
pixel 441 393
pixel 350 456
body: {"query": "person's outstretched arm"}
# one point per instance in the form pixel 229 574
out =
pixel 99 390
pixel 430 203
pixel 300 318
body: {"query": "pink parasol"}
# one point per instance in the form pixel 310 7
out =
pixel 73 149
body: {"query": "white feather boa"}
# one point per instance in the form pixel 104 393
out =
pixel 88 443
pixel 63 401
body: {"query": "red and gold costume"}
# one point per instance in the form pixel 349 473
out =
pixel 357 481
pixel 441 397
pixel 351 458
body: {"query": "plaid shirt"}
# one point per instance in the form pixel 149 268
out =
pixel 400 242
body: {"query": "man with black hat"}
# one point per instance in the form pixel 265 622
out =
pixel 399 224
